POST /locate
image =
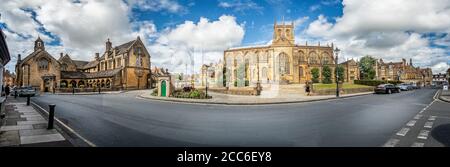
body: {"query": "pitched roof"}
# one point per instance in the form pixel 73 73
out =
pixel 86 75
pixel 79 63
pixel 90 64
pixel 124 47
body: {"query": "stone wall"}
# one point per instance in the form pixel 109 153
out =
pixel 342 91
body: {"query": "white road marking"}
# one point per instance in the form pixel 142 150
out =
pixel 418 116
pixel 432 118
pixel 403 131
pixel 411 123
pixel 417 144
pixel 428 125
pixel 391 143
pixel 423 134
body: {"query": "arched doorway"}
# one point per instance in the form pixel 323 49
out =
pixel 300 74
pixel 63 84
pixel 163 88
pixel 73 83
pixel 46 85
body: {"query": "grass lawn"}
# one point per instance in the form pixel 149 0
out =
pixel 333 86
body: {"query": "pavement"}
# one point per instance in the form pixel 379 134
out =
pixel 24 126
pixel 86 93
pixel 445 95
pixel 363 121
pixel 220 98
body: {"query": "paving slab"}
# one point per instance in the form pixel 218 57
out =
pixel 34 132
pixel 9 138
pixel 41 138
pixel 16 127
pixel 30 122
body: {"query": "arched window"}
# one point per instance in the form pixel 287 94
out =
pixel 284 63
pixel 81 84
pixel 108 83
pixel 264 57
pixel 264 73
pixel 301 57
pixel 43 64
pixel 312 58
pixel 325 58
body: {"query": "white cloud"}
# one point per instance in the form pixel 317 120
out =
pixel 158 5
pixel 80 31
pixel 387 29
pixel 440 67
pixel 240 5
pixel 186 42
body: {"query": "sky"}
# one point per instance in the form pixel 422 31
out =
pixel 183 34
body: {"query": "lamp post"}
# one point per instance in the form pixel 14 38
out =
pixel 206 78
pixel 336 52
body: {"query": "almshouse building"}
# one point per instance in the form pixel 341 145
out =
pixel 126 66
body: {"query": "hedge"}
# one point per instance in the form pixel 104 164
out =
pixel 375 82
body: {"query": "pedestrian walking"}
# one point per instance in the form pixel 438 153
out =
pixel 307 89
pixel 7 91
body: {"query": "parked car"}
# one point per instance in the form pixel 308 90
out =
pixel 24 91
pixel 387 88
pixel 404 87
pixel 415 86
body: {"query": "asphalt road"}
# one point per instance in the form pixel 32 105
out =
pixel 124 120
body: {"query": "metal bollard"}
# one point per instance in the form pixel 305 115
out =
pixel 73 90
pixel 51 116
pixel 28 100
pixel 99 90
pixel 15 94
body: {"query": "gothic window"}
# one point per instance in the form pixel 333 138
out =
pixel 300 72
pixel 284 63
pixel 313 58
pixel 301 57
pixel 264 58
pixel 43 64
pixel 325 58
pixel 264 72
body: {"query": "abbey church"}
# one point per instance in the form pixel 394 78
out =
pixel 124 67
pixel 283 61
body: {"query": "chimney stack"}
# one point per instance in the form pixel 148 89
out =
pixel 97 56
pixel 61 55
pixel 19 58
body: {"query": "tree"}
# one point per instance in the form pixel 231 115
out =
pixel 315 75
pixel 326 74
pixel 340 70
pixel 366 65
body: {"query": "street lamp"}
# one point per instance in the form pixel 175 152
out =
pixel 336 52
pixel 206 78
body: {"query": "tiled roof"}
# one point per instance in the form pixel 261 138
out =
pixel 80 63
pixel 90 64
pixel 123 48
pixel 86 75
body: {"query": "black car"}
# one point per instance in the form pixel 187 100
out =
pixel 387 88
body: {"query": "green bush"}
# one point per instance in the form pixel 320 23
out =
pixel 326 73
pixel 155 92
pixel 315 75
pixel 375 82
pixel 194 94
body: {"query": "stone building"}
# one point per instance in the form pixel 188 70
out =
pixel 282 61
pixel 351 70
pixel 8 78
pixel 399 71
pixel 126 66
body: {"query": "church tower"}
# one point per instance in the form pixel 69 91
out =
pixel 39 44
pixel 283 34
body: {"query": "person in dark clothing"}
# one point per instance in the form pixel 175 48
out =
pixel 7 91
pixel 308 89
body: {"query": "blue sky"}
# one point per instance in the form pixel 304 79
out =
pixel 191 32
